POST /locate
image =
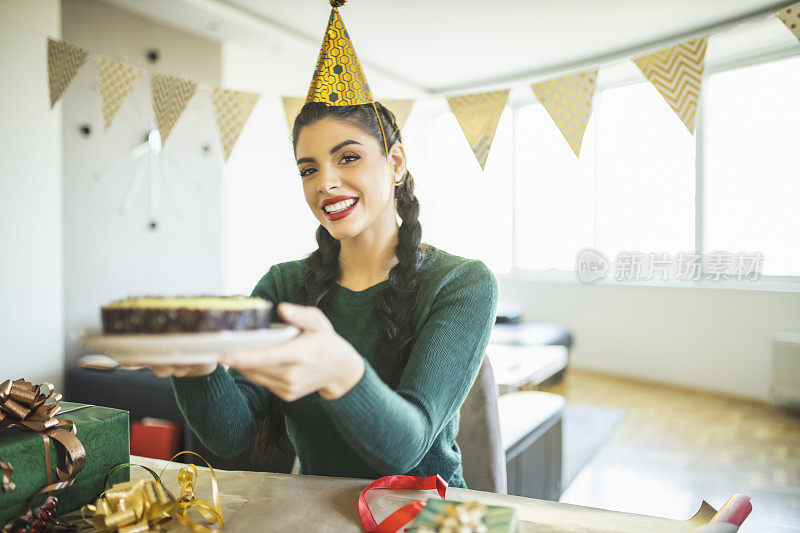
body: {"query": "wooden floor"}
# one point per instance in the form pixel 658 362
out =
pixel 677 447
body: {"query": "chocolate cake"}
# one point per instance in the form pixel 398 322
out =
pixel 153 314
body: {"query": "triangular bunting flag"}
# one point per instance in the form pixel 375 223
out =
pixel 232 109
pixel 478 115
pixel 677 73
pixel 791 17
pixel 400 108
pixel 568 100
pixel 292 106
pixel 63 61
pixel 170 96
pixel 116 83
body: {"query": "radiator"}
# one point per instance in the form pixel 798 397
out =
pixel 785 387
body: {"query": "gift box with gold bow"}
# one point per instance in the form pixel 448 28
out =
pixel 48 446
pixel 446 516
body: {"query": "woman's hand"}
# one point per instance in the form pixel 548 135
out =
pixel 318 359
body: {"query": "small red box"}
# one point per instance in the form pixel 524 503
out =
pixel 155 438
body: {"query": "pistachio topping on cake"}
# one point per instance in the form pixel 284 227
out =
pixel 191 302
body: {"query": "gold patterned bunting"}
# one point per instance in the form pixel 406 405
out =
pixel 401 110
pixel 338 79
pixel 568 100
pixel 170 96
pixel 791 18
pixel 478 115
pixel 677 72
pixel 116 83
pixel 232 109
pixel 63 61
pixel 292 106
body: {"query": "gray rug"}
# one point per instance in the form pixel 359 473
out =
pixel 585 429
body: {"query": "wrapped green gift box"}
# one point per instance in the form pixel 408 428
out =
pixel 496 520
pixel 104 434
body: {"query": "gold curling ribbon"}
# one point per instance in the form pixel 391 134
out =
pixel 142 506
pixel 25 406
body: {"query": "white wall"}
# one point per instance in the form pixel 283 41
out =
pixel 108 254
pixel 31 304
pixel 266 218
pixel 715 339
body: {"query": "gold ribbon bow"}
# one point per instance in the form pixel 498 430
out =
pixel 143 506
pixel 24 405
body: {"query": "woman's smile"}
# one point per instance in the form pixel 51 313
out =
pixel 340 209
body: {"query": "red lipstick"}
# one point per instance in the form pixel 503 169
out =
pixel 340 214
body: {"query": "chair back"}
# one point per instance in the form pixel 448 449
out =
pixel 482 454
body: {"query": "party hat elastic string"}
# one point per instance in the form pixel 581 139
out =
pixel 383 134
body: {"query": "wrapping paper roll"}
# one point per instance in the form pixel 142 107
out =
pixel 734 511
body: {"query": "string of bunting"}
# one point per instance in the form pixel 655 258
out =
pixel 675 71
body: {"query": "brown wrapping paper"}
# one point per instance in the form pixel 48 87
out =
pixel 263 501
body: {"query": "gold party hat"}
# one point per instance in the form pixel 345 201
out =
pixel 338 79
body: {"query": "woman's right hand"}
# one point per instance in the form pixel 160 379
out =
pixel 181 371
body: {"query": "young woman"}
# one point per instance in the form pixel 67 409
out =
pixel 393 331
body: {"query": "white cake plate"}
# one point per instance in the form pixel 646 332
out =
pixel 201 348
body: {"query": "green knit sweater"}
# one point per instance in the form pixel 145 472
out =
pixel 372 430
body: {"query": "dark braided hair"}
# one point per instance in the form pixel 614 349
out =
pixel 394 305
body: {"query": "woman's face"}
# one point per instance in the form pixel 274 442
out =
pixel 336 158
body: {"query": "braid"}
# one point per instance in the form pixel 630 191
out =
pixel 395 305
pixel 320 280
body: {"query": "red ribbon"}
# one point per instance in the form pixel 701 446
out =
pixel 405 514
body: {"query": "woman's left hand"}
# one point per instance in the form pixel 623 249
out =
pixel 318 359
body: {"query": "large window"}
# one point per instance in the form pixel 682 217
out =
pixel 634 187
pixel 645 170
pixel 752 141
pixel 463 210
pixel 554 191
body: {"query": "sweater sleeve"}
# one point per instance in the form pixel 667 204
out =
pixel 224 408
pixel 392 430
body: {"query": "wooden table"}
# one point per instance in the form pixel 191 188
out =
pixel 264 501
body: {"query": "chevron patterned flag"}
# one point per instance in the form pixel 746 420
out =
pixel 478 116
pixel 116 83
pixel 568 100
pixel 232 109
pixel 400 108
pixel 791 18
pixel 292 106
pixel 63 61
pixel 170 96
pixel 677 73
